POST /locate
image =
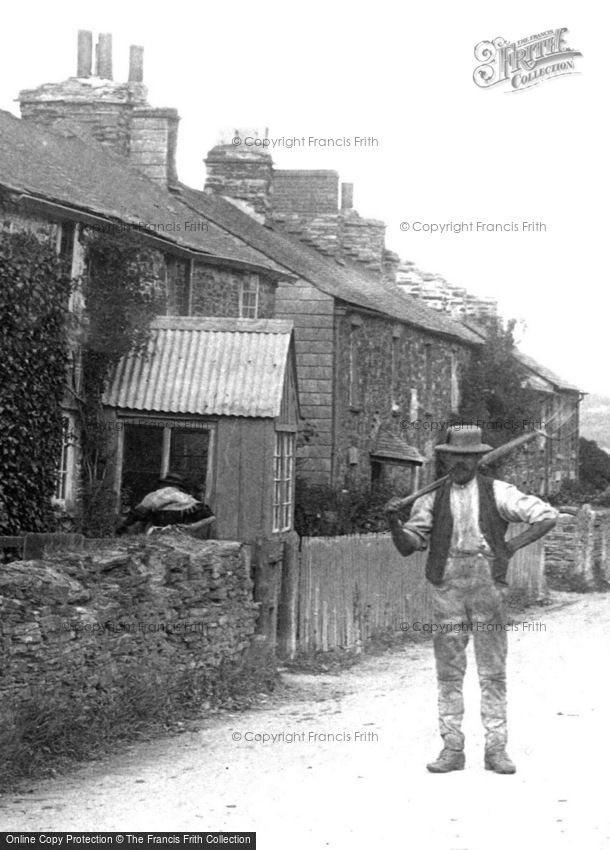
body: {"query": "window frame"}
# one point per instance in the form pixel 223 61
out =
pixel 249 280
pixel 65 471
pixel 284 450
pixel 354 383
pixel 159 420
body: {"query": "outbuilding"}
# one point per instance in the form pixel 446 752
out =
pixel 215 400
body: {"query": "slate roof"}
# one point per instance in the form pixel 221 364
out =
pixel 346 282
pixel 206 366
pixel 70 168
pixel 547 374
pixel 388 446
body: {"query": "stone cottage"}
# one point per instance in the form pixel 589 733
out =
pixel 65 181
pixel 370 360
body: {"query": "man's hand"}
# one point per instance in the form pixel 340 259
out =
pixel 405 541
pixel 393 506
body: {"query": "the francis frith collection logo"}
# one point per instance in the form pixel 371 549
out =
pixel 525 63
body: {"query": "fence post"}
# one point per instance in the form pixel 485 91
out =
pixel 262 586
pixel 585 532
pixel 287 615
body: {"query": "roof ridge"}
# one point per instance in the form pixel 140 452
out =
pixel 232 324
pixel 344 280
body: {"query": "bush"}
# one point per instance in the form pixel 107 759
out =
pixel 321 511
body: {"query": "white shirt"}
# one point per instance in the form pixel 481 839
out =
pixel 513 506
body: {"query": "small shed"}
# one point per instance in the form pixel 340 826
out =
pixel 214 399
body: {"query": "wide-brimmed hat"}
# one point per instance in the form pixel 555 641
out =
pixel 464 439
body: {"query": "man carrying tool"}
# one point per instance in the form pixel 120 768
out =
pixel 463 524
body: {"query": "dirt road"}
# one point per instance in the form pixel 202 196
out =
pixel 346 770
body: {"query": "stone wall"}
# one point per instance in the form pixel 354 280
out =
pixel 312 313
pixel 402 379
pixel 82 628
pixel 577 550
pixel 525 467
pixel 14 220
pixel 543 466
pixel 216 292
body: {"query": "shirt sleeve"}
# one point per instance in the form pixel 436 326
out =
pixel 419 524
pixel 515 506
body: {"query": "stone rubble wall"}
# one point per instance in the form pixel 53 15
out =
pixel 79 624
pixel 577 550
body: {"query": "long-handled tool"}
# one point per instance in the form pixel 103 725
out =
pixel 490 458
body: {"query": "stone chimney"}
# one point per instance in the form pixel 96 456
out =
pixel 116 114
pixel 301 202
pixel 347 196
pixel 306 204
pixel 240 168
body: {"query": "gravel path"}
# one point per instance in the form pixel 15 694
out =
pixel 368 788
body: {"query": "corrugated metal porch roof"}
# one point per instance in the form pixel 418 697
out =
pixel 206 366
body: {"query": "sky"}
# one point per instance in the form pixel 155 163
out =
pixel 446 151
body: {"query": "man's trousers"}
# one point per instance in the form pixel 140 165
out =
pixel 469 602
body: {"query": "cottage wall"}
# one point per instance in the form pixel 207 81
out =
pixel 544 466
pixel 216 292
pixel 413 399
pixel 312 313
pixel 14 220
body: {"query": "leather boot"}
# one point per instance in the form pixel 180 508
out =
pixel 447 761
pixel 499 762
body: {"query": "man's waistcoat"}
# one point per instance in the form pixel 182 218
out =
pixel 493 528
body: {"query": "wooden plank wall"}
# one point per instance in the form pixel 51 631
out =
pixel 354 587
pixel 243 478
pixel 526 568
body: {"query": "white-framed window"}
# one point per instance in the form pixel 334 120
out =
pixel 249 290
pixel 414 405
pixel 151 447
pixel 394 372
pixel 65 468
pixel 455 384
pixel 354 387
pixel 283 475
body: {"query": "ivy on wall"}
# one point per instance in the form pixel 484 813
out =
pixel 123 291
pixel 34 291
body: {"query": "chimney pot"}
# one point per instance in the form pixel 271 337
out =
pixel 136 64
pixel 85 53
pixel 347 196
pixel 104 56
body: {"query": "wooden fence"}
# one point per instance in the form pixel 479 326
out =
pixel 354 587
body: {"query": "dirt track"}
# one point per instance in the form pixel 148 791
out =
pixel 315 792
